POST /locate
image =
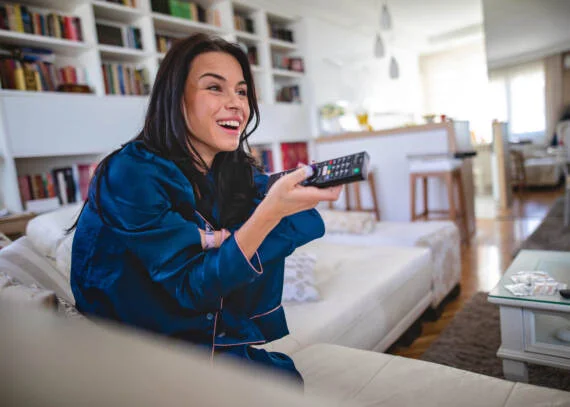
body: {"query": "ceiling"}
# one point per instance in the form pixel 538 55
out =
pixel 422 20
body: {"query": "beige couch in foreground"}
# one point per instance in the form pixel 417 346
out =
pixel 47 360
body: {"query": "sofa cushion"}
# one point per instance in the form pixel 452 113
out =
pixel 376 379
pixel 369 296
pixel 348 221
pixel 441 237
pixel 31 295
pixel 48 230
pixel 299 280
pixel 21 261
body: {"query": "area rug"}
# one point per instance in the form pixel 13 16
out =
pixel 551 233
pixel 471 340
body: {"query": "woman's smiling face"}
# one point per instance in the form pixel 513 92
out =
pixel 215 104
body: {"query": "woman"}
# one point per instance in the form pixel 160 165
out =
pixel 179 235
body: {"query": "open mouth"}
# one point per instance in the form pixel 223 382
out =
pixel 229 124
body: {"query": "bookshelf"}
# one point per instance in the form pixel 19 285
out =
pixel 69 129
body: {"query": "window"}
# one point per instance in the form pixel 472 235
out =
pixel 520 93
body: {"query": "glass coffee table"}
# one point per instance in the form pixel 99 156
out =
pixel 534 329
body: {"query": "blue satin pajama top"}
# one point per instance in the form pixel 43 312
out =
pixel 145 266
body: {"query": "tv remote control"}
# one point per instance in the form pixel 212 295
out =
pixel 342 170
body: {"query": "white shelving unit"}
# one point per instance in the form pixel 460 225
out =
pixel 42 130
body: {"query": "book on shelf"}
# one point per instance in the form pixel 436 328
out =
pixel 27 19
pixel 250 51
pixel 290 94
pixel 120 35
pixel 293 154
pixel 279 32
pixel 58 187
pixel 264 156
pixel 165 42
pixel 187 10
pixel 243 23
pixel 125 79
pixel 128 3
pixel 282 61
pixel 33 69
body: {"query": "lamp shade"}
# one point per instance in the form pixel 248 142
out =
pixel 394 68
pixel 385 18
pixel 379 50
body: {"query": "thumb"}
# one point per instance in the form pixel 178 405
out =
pixel 301 174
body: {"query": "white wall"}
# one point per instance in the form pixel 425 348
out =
pixel 518 31
pixel 455 83
pixel 343 68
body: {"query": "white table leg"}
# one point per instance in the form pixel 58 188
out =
pixel 515 371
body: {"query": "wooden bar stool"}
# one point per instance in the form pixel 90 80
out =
pixel 449 171
pixel 355 188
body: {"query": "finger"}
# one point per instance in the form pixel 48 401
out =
pixel 316 194
pixel 299 175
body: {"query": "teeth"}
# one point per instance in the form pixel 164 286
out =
pixel 230 123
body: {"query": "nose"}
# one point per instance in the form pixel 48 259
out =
pixel 233 102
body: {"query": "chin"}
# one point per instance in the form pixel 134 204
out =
pixel 228 148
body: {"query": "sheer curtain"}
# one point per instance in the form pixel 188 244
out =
pixel 519 99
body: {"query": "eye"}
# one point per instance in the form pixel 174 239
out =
pixel 242 92
pixel 215 88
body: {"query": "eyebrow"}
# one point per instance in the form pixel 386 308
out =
pixel 220 77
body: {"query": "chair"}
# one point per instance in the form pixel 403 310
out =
pixel 563 132
pixel 518 170
pixel 355 188
pixel 449 171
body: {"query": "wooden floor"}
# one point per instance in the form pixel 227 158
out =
pixel 487 257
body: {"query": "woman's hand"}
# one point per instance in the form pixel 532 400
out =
pixel 219 237
pixel 287 197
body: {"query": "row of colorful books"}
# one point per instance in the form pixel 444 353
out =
pixel 67 184
pixel 124 79
pixel 289 94
pixel 291 153
pixel 24 19
pixel 37 76
pixel 187 10
pixel 282 61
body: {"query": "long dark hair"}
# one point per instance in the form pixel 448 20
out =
pixel 165 134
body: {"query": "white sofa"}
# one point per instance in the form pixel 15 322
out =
pixel 55 361
pixel 442 238
pixel 369 296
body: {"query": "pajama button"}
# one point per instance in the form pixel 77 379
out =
pixel 210 316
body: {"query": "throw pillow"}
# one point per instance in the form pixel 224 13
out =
pixel 299 281
pixel 348 221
